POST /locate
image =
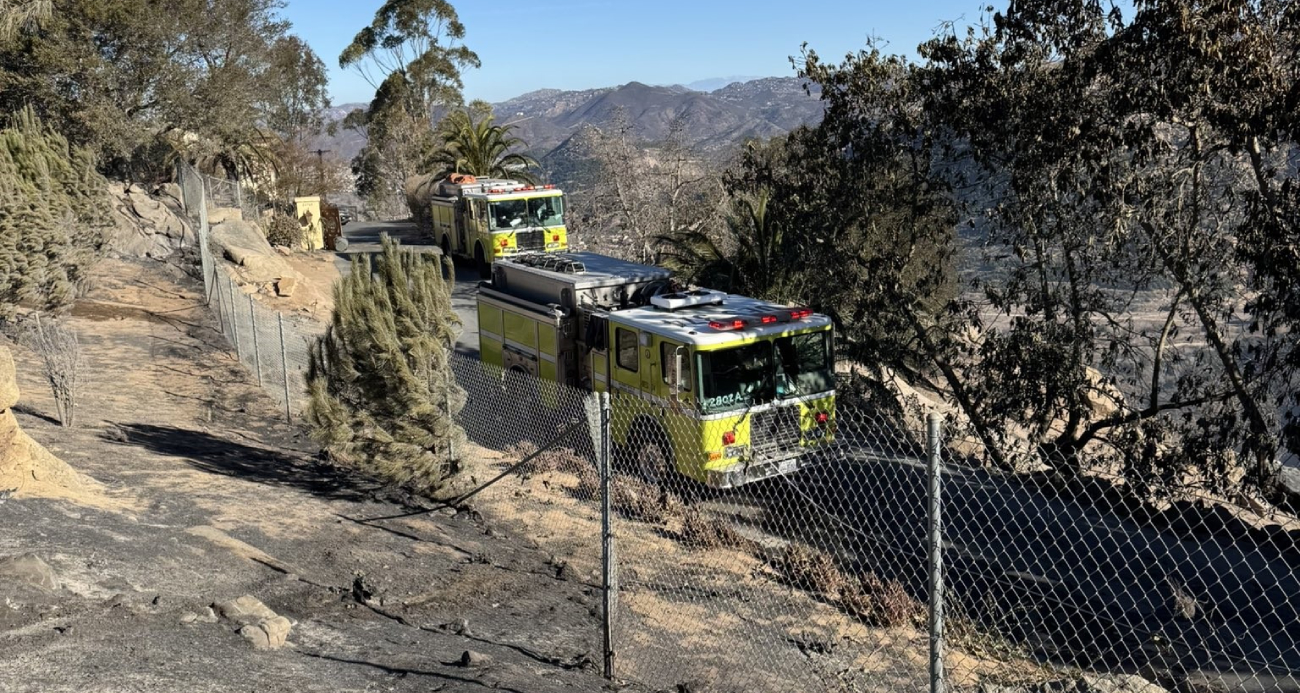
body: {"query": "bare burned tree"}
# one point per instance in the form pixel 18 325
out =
pixel 648 192
pixel 61 359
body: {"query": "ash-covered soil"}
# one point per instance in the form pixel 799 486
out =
pixel 215 497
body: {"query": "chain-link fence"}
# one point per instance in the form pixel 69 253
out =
pixel 872 552
pixel 882 554
pixel 273 345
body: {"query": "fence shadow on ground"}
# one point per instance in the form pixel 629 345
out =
pixel 217 455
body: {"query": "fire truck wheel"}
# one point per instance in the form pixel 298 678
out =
pixel 652 453
pixel 484 269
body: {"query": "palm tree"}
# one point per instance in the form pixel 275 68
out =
pixel 482 148
pixel 752 265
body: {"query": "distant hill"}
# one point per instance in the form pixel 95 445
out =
pixel 716 83
pixel 716 121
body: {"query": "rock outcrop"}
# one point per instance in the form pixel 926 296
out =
pixel 254 261
pixel 147 226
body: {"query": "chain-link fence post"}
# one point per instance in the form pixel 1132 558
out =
pixel 451 443
pixel 935 534
pixel 284 362
pixel 607 536
pixel 216 291
pixel 257 352
pixel 234 320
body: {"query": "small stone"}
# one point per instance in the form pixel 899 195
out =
pixel 244 610
pixel 208 615
pixel 189 617
pixel 472 659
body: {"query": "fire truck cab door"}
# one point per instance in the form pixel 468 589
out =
pixel 464 213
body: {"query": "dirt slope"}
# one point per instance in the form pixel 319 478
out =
pixel 229 501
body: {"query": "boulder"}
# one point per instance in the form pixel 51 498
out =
pixel 27 570
pixel 144 225
pixel 244 245
pixel 8 381
pixel 171 190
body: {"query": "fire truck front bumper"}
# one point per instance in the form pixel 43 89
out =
pixel 750 471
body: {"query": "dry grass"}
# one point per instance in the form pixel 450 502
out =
pixel 638 500
pixel 881 602
pixel 563 460
pixel 700 532
pixel 876 601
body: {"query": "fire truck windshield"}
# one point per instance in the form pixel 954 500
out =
pixel 504 215
pixel 759 372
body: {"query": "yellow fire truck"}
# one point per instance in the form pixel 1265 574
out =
pixel 725 389
pixel 488 219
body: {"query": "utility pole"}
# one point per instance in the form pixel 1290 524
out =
pixel 320 165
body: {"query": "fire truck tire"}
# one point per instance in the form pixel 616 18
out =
pixel 651 453
pixel 484 269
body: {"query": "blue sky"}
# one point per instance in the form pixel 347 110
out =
pixel 580 44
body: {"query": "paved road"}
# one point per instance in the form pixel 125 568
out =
pixel 363 237
pixel 1072 581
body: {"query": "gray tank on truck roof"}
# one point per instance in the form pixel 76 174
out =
pixel 576 280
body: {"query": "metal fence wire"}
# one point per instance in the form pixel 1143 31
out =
pixel 888 557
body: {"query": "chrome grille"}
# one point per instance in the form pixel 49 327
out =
pixel 775 432
pixel 530 240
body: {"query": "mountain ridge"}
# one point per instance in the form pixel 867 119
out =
pixel 715 120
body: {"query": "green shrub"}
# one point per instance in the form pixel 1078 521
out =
pixel 382 392
pixel 52 211
pixel 284 230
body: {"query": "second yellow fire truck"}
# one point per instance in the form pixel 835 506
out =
pixel 486 219
pixel 724 389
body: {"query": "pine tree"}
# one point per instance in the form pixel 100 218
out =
pixel 51 215
pixel 382 391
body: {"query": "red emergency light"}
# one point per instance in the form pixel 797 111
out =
pixel 800 313
pixel 736 324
